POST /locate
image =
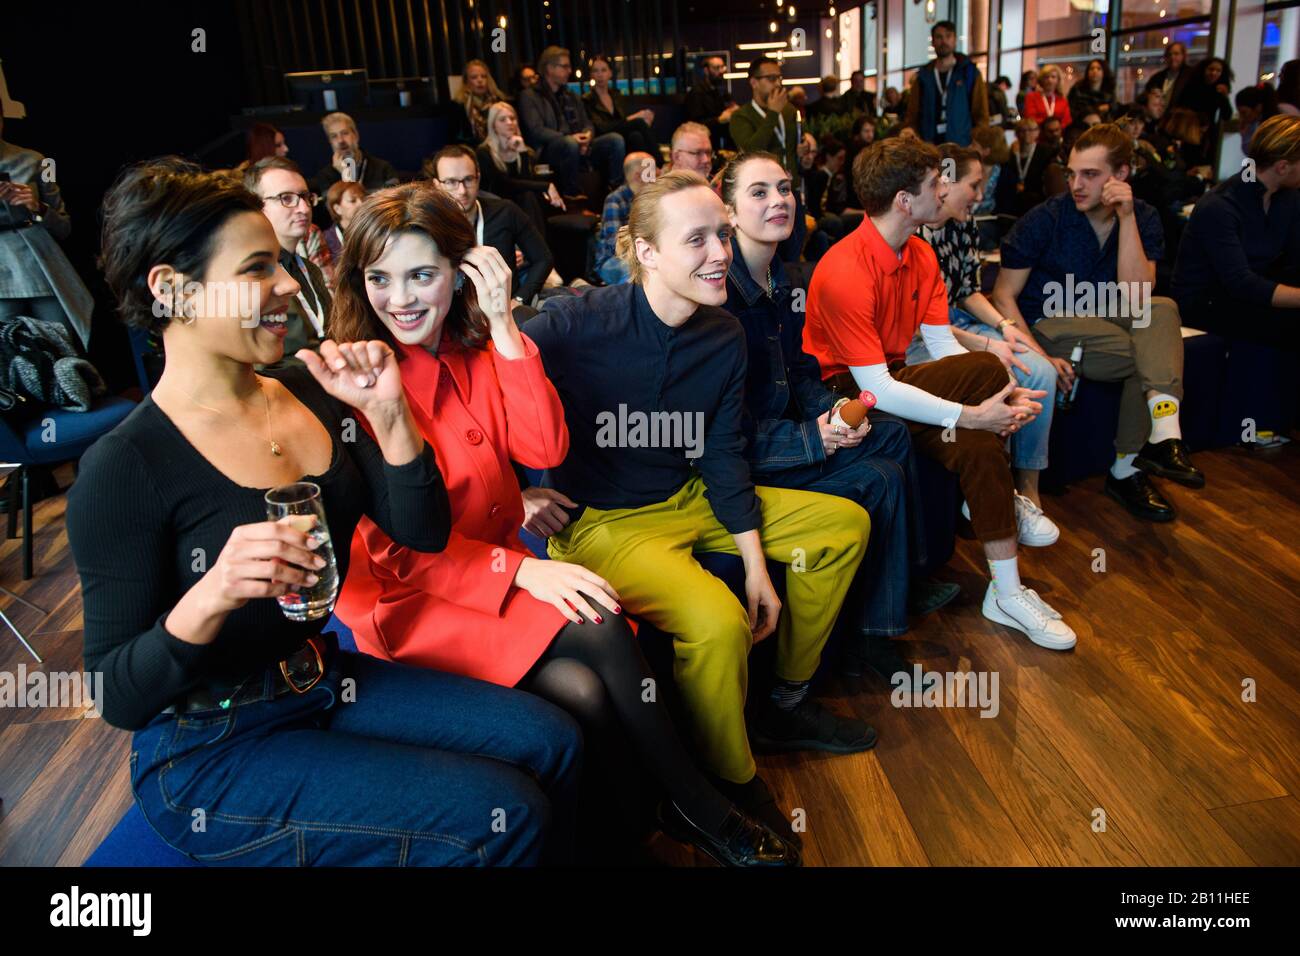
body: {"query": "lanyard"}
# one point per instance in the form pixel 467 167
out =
pixel 317 317
pixel 1023 167
pixel 1050 101
pixel 780 124
pixel 941 126
pixel 478 221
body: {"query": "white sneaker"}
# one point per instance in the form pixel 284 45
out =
pixel 1025 614
pixel 1043 606
pixel 1035 529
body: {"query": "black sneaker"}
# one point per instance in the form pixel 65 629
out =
pixel 925 597
pixel 808 726
pixel 740 841
pixel 1169 459
pixel 1140 497
pixel 872 652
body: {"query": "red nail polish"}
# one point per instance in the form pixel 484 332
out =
pixel 600 620
pixel 617 609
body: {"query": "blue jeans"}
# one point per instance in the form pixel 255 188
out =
pixel 875 474
pixel 605 156
pixel 421 768
pixel 1029 445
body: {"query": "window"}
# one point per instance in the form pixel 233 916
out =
pixel 1146 13
pixel 1281 41
pixel 1048 20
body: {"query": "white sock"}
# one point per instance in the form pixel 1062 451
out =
pixel 1123 467
pixel 1006 576
pixel 1164 417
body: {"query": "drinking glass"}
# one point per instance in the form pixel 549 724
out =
pixel 299 503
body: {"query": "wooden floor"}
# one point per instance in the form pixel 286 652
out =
pixel 1143 725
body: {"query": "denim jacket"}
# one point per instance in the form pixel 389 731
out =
pixel 779 369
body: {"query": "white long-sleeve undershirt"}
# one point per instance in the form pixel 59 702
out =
pixel 908 401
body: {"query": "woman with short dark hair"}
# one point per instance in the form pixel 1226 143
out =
pixel 241 712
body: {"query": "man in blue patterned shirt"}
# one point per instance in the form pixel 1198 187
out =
pixel 638 169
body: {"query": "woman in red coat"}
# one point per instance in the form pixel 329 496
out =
pixel 411 275
pixel 1048 100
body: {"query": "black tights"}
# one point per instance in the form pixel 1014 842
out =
pixel 596 673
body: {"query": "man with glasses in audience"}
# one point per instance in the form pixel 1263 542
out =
pixel 497 222
pixel 555 123
pixel 288 204
pixel 692 149
pixel 710 103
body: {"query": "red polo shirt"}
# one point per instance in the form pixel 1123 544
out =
pixel 865 302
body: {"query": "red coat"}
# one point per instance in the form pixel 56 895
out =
pixel 1036 108
pixel 458 610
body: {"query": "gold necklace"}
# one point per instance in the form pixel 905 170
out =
pixel 275 445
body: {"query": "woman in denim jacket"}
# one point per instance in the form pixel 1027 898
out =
pixel 791 441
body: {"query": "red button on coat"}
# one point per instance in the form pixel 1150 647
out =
pixel 474 436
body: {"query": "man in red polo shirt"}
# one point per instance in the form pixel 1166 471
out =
pixel 869 296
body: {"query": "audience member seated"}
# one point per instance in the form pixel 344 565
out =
pixel 691 149
pixel 36 278
pixel 236 700
pixel 341 203
pixel 947 98
pixel 1186 133
pixel 484 607
pixel 862 135
pixel 263 140
pixel 829 103
pixel 1094 92
pixel 498 223
pixel 709 102
pixel 991 144
pixel 831 199
pixel 1048 100
pixel 792 439
pixel 349 161
pixel 1001 112
pixel 1254 105
pixel 477 94
pixel 1020 183
pixel 508 169
pixel 979 327
pixel 1207 95
pixel 1028 83
pixel 799 100
pixel 1177 73
pixel 287 203
pixel 660 354
pixel 608 111
pixel 524 78
pixel 638 169
pixel 869 296
pixel 1288 88
pixel 555 124
pixel 1164 183
pixel 1238 270
pixel 1079 270
pixel 893 104
pixel 1152 102
pixel 857 99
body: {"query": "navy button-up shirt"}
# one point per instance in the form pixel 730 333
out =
pixel 784 393
pixel 647 404
pixel 1054 240
pixel 1233 250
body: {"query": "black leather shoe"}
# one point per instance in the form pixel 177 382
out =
pixel 1140 497
pixel 924 597
pixel 755 798
pixel 808 726
pixel 1169 459
pixel 872 652
pixel 740 841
